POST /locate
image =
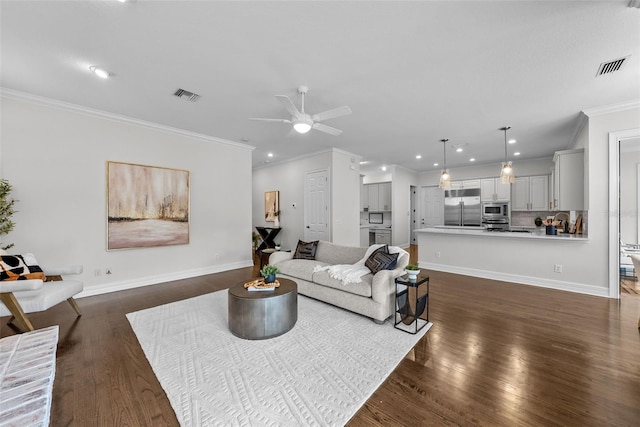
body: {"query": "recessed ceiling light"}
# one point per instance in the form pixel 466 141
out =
pixel 269 154
pixel 517 153
pixel 244 139
pixel 100 72
pixel 418 157
pixel 435 164
pixel 384 168
pixel 364 162
pixel 459 150
pixel 472 159
pixel 512 141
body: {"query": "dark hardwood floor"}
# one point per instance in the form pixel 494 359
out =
pixel 498 354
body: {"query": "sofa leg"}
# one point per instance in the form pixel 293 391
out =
pixel 378 322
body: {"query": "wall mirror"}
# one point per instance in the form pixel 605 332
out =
pixel 271 205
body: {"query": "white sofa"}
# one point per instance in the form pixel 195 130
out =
pixel 374 297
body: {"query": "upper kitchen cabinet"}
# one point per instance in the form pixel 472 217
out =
pixel 492 190
pixel 469 183
pixel 530 193
pixel 376 197
pixel 568 180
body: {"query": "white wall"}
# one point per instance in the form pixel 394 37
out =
pixel 289 179
pixel 345 199
pixel 55 156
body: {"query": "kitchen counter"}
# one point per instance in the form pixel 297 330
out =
pixel 537 234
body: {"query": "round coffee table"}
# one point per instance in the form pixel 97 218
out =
pixel 263 314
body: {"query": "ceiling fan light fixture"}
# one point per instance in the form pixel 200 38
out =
pixel 302 125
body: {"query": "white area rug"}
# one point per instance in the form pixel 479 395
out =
pixel 319 373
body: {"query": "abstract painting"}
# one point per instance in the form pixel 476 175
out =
pixel 147 206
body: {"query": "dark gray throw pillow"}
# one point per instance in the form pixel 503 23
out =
pixel 381 260
pixel 306 250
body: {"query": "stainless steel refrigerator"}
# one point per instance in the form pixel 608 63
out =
pixel 462 207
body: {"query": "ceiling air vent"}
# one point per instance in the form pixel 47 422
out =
pixel 611 66
pixel 190 96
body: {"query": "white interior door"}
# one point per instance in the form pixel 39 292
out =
pixel 431 206
pixel 316 209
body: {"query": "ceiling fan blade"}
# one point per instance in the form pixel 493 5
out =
pixel 272 120
pixel 286 102
pixel 326 129
pixel 330 114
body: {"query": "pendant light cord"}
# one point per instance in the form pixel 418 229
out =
pixel 505 129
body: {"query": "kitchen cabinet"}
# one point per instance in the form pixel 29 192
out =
pixel 468 183
pixel 383 237
pixel 530 193
pixel 377 197
pixel 492 190
pixel 568 183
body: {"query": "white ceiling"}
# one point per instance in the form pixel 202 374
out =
pixel 412 72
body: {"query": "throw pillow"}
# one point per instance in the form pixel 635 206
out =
pixel 306 250
pixel 20 267
pixel 370 263
pixel 379 261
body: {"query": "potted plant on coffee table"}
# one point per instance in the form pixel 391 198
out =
pixel 269 273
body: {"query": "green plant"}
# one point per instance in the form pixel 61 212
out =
pixel 256 240
pixel 412 267
pixel 268 270
pixel 6 210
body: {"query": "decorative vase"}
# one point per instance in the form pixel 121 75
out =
pixel 412 273
pixel 276 222
pixel 270 278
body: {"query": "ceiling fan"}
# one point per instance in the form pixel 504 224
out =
pixel 303 122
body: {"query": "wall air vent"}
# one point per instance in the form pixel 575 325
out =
pixel 611 66
pixel 190 96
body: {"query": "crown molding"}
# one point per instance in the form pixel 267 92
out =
pixel 614 108
pixel 305 156
pixel 583 120
pixel 54 103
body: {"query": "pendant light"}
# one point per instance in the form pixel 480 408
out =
pixel 445 178
pixel 507 176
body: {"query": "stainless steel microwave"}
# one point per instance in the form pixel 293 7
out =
pixel 495 210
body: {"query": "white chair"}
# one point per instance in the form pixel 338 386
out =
pixel 30 296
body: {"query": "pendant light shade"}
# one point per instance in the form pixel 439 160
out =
pixel 507 176
pixel 445 178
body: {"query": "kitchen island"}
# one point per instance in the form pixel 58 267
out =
pixel 531 258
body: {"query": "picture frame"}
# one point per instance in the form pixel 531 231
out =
pixel 271 206
pixel 147 206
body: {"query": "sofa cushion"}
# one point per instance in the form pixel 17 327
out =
pixel 363 288
pixel 20 267
pixel 306 250
pixel 381 260
pixel 337 254
pixel 300 268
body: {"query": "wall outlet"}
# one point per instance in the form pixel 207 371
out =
pixel 98 272
pixel 438 254
pixel 557 268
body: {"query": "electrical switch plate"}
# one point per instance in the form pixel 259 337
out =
pixel 557 268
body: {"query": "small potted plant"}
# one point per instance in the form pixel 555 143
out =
pixel 412 270
pixel 269 273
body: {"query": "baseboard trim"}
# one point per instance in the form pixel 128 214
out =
pixel 105 288
pixel 522 280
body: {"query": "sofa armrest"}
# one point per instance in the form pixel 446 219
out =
pixel 383 284
pixel 20 285
pixel 279 256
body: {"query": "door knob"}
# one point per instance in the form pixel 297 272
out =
pixel 307 226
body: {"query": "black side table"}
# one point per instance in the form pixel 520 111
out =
pixel 267 234
pixel 412 303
